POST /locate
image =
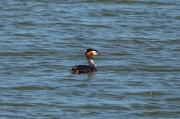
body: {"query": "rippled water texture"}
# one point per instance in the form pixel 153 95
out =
pixel 138 77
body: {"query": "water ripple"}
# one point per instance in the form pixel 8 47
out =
pixel 138 76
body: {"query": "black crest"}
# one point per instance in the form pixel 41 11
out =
pixel 90 50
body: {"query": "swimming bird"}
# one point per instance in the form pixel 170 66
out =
pixel 78 69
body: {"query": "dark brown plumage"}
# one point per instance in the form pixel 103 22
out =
pixel 79 69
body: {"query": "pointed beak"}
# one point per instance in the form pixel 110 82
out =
pixel 100 54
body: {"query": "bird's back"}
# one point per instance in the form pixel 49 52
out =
pixel 78 69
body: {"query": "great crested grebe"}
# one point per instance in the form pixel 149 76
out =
pixel 78 69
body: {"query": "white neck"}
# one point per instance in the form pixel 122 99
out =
pixel 91 63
